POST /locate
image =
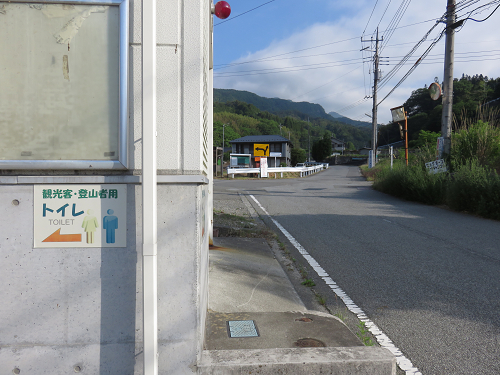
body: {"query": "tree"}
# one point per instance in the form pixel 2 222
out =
pixel 298 155
pixel 323 148
pixel 229 134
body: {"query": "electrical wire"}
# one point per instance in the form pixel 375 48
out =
pixel 415 65
pixel 223 66
pixel 395 22
pixel 319 46
pixel 333 80
pixel 239 15
pixel 304 49
pixel 408 56
pixel 472 19
pixel 385 11
pixel 369 18
pixel 281 70
pixel 351 106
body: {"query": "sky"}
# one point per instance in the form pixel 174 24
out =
pixel 310 50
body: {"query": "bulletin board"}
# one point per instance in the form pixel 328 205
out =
pixel 63 80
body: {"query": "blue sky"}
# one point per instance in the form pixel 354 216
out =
pixel 309 50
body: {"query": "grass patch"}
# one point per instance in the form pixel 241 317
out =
pixel 308 282
pixel 364 334
pixel 321 300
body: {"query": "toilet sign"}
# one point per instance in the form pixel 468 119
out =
pixel 80 215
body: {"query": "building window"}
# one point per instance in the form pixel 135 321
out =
pixel 63 103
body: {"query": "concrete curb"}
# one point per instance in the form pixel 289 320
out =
pixel 299 361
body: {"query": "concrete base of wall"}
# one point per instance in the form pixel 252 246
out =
pixel 291 361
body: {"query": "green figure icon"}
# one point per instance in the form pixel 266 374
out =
pixel 89 225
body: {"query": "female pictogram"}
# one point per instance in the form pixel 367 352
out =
pixel 89 225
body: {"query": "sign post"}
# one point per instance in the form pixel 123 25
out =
pixel 263 167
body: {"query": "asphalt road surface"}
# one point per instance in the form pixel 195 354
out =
pixel 428 277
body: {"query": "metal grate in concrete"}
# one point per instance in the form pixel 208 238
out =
pixel 242 328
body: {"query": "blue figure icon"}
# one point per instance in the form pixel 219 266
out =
pixel 110 223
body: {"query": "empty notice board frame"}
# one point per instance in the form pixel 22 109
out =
pixel 63 84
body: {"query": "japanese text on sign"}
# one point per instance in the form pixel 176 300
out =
pixel 81 193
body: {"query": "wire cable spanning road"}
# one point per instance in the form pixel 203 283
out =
pixel 424 279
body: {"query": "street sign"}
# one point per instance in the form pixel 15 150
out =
pixel 437 166
pixel 260 149
pixel 80 215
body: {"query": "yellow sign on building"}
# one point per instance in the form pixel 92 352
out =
pixel 260 149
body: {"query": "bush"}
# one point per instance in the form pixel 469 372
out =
pixel 412 183
pixel 475 189
pixel 479 141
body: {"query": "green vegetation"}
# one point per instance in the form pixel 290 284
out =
pixel 308 282
pixel 472 184
pixel 425 114
pixel 244 119
pixel 323 148
pixel 364 334
pixel 320 299
pixel 298 156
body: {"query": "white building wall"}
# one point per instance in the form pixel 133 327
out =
pixel 69 309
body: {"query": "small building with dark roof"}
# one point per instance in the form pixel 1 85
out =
pixel 275 147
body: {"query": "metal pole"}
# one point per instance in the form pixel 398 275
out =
pixel 448 78
pixel 149 190
pixel 391 151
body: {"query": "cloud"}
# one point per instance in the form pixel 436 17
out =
pixel 322 63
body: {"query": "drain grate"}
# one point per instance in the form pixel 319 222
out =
pixel 242 328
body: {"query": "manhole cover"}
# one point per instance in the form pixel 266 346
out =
pixel 242 328
pixel 309 343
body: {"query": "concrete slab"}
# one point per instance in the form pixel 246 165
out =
pixel 248 284
pixel 280 330
pixel 245 277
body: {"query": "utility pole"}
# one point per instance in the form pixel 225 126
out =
pixel 309 143
pixel 222 156
pixel 448 77
pixel 375 84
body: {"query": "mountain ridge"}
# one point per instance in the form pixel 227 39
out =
pixel 283 107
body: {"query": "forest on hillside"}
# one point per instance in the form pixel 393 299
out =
pixel 473 98
pixel 242 119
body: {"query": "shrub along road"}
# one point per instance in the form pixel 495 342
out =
pixel 427 277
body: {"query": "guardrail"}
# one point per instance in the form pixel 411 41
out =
pixel 304 171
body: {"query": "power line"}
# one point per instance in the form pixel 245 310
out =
pixel 395 21
pixel 385 11
pixel 267 59
pixel 415 65
pixel 407 56
pixel 319 46
pixel 239 15
pixel 287 69
pixel 369 18
pixel 472 19
pixel 304 49
pixel 333 80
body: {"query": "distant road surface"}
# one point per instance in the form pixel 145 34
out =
pixel 429 278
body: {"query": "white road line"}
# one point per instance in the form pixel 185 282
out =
pixel 384 341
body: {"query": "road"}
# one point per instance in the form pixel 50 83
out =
pixel 426 276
